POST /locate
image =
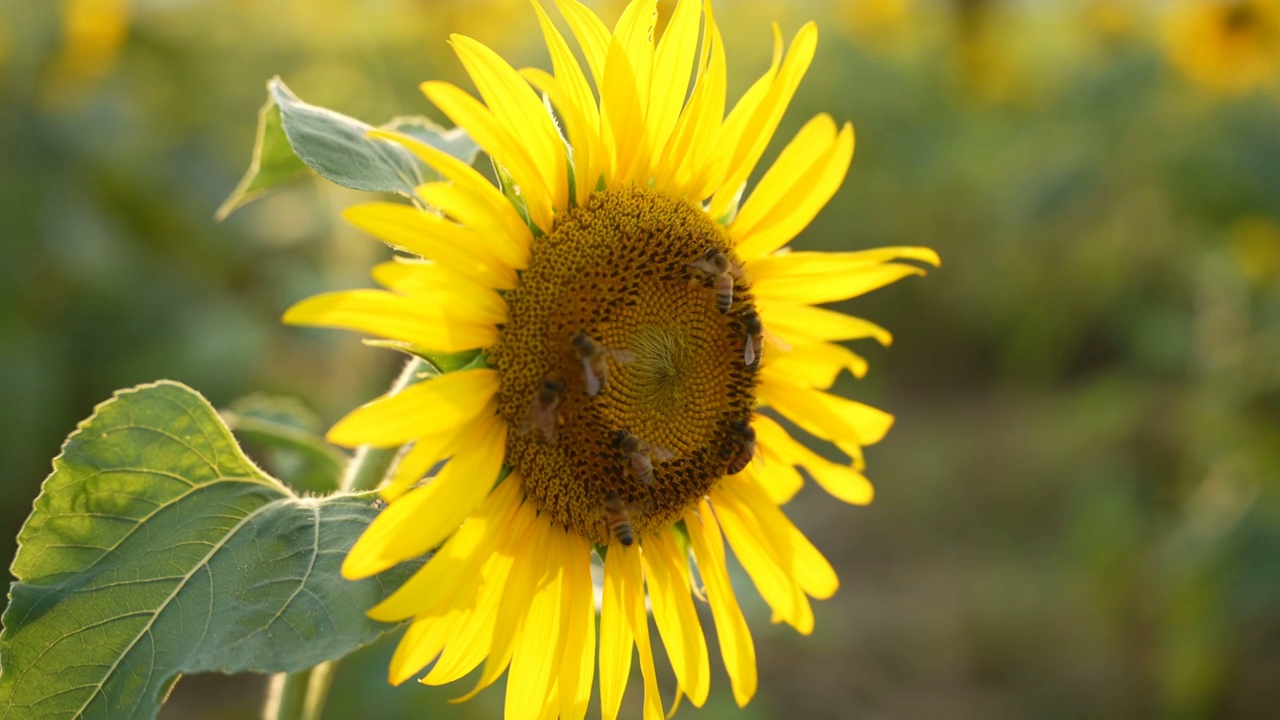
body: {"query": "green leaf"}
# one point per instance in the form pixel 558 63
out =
pixel 455 142
pixel 285 436
pixel 156 548
pixel 338 148
pixel 273 162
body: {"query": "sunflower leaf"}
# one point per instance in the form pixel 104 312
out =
pixel 157 548
pixel 273 162
pixel 294 135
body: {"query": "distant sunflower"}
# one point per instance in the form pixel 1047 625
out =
pixel 1229 46
pixel 622 302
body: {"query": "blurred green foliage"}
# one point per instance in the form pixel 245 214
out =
pixel 1078 514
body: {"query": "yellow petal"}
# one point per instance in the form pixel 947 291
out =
pixel 736 647
pixel 470 643
pixel 577 669
pixel 567 70
pixel 763 566
pixel 420 645
pixel 591 34
pixel 518 108
pixel 686 160
pixel 431 407
pixel 425 454
pixel 417 231
pixel 581 126
pixel 793 322
pixel 776 474
pixel 842 482
pixel 816 364
pixel 461 556
pixel 672 66
pixel 495 137
pixel 539 644
pixel 798 558
pixel 827 416
pixel 572 97
pixel 487 211
pixel 813 289
pixel 795 264
pixel 732 133
pixel 616 637
pixel 550 709
pixel 425 516
pixel 633 598
pixel 764 121
pixel 397 317
pixel 517 596
pixel 430 283
pixel 667 576
pixel 634 32
pixel 801 181
pixel 621 115
pixel 807 151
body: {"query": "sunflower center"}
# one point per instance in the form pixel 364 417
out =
pixel 624 351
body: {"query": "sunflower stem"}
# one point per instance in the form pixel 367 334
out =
pixel 301 695
pixel 286 696
pixel 369 465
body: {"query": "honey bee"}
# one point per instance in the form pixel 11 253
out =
pixel 593 356
pixel 723 270
pixel 641 454
pixel 618 520
pixel 543 415
pixel 753 347
pixel 745 436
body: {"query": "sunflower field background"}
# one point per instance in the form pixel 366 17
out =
pixel 1078 512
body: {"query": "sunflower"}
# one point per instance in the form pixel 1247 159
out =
pixel 1229 46
pixel 628 321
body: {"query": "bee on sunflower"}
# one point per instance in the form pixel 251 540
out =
pixel 1227 46
pixel 631 321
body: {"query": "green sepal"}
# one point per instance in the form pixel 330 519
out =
pixel 440 362
pixel 681 533
pixel 512 192
pixel 731 211
pixel 157 548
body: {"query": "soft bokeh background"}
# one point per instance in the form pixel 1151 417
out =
pixel 1078 513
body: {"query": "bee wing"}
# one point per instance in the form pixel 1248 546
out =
pixel 749 351
pixel 660 453
pixel 526 425
pixel 623 356
pixel 593 382
pixel 776 341
pixel 703 265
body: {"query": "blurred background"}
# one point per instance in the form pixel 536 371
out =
pixel 1078 513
